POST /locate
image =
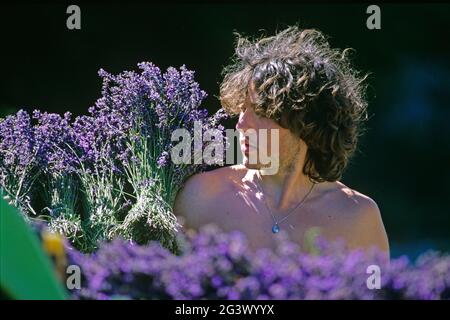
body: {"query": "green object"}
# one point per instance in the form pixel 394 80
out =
pixel 26 272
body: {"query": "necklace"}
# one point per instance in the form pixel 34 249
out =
pixel 276 223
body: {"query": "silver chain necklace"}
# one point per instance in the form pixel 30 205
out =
pixel 276 223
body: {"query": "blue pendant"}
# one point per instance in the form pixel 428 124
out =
pixel 275 228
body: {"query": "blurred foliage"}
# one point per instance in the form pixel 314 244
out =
pixel 26 269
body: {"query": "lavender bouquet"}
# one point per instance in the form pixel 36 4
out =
pixel 139 112
pixel 108 174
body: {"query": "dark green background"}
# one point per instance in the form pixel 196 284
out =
pixel 403 160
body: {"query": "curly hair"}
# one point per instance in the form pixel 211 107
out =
pixel 306 87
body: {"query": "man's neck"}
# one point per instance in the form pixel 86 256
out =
pixel 286 188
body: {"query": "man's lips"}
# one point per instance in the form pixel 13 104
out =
pixel 247 147
pixel 247 143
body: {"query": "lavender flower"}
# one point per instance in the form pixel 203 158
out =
pixel 163 159
pixel 54 141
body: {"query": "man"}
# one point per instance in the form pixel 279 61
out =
pixel 296 84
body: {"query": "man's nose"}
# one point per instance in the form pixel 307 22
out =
pixel 243 122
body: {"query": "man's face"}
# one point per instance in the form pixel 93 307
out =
pixel 280 143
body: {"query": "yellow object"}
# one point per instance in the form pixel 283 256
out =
pixel 53 244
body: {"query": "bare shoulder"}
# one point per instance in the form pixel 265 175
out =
pixel 362 216
pixel 357 202
pixel 199 194
pixel 211 183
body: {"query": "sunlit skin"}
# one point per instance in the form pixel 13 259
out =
pixel 230 197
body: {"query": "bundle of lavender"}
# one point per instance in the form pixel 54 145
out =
pixel 110 173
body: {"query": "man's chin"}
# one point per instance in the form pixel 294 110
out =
pixel 267 169
pixel 254 166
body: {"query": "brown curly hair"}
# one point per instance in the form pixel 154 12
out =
pixel 306 87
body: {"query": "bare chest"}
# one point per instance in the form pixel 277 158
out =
pixel 249 215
